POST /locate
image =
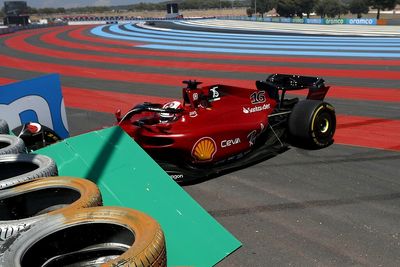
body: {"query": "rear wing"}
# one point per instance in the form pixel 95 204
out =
pixel 317 89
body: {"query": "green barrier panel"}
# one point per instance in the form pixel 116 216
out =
pixel 128 177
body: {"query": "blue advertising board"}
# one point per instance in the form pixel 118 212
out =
pixel 298 20
pixel 335 21
pixel 36 100
pixel 314 21
pixel 361 21
pixel 286 20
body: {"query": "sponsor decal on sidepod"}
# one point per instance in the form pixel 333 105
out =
pixel 230 142
pixel 256 109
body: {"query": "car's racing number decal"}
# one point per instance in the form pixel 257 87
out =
pixel 213 94
pixel 258 97
pixel 204 149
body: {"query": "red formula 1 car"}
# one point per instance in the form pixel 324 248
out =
pixel 218 128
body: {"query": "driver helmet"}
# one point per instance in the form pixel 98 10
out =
pixel 164 116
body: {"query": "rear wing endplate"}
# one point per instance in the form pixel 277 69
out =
pixel 317 89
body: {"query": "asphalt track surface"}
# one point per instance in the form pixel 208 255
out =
pixel 333 207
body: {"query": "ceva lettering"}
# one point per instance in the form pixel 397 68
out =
pixel 230 142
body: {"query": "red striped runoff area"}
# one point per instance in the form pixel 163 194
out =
pixel 395 75
pixel 345 92
pixel 114 59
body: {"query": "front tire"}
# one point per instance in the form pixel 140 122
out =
pixel 312 123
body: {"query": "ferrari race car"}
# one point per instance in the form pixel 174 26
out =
pixel 218 128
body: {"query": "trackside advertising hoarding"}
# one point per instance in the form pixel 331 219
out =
pixel 36 100
pixel 327 21
pixel 314 21
pixel 335 21
pixel 297 20
pixel 361 21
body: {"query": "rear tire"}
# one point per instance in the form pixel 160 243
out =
pixel 312 124
pixel 109 236
pixel 10 144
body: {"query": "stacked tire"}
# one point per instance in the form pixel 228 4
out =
pixel 49 220
pixel 101 236
pixel 58 221
pixel 9 144
pixel 17 169
pixel 24 205
pixel 4 129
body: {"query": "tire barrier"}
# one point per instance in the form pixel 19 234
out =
pixel 10 144
pixel 23 205
pixel 4 127
pixel 107 236
pixel 17 169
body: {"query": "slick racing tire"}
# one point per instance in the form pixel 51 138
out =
pixel 23 205
pixel 312 123
pixel 10 144
pixel 4 127
pixel 21 168
pixel 101 236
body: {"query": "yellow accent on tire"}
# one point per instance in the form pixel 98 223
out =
pixel 314 116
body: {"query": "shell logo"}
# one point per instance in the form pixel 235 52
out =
pixel 204 149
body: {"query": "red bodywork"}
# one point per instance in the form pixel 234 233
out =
pixel 216 123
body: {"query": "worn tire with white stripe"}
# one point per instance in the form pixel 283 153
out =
pixel 4 127
pixel 17 169
pixel 107 236
pixel 23 205
pixel 10 144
